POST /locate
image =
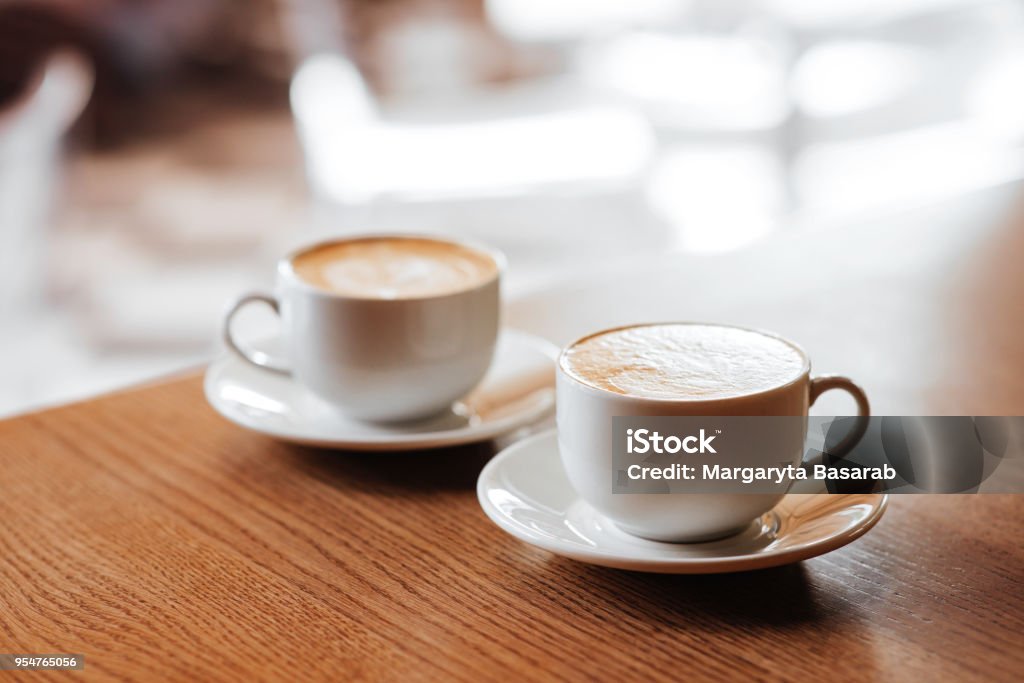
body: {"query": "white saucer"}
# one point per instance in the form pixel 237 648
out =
pixel 518 390
pixel 524 490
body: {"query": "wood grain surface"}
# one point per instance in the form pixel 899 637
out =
pixel 146 532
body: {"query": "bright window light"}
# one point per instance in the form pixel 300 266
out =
pixel 718 197
pixel 837 79
pixel 548 20
pixel 713 82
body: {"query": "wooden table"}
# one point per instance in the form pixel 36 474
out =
pixel 146 532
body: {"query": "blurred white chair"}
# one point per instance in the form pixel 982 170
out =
pixel 31 130
pixel 517 180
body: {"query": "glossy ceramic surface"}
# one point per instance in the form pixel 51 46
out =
pixel 517 391
pixel 525 491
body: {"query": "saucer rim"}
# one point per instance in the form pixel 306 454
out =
pixel 688 565
pixel 398 442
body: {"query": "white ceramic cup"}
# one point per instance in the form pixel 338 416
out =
pixel 584 419
pixel 380 359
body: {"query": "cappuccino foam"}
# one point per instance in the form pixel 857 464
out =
pixel 394 267
pixel 683 361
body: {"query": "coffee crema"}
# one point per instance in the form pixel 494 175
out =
pixel 683 361
pixel 394 267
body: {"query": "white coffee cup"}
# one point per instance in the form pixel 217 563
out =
pixel 585 441
pixel 380 359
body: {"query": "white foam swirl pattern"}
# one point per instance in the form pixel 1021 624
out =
pixel 683 361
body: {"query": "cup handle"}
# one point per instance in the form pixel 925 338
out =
pixel 255 357
pixel 819 385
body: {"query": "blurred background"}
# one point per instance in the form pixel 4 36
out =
pixel 156 156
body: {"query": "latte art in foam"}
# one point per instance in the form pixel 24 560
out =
pixel 683 361
pixel 394 267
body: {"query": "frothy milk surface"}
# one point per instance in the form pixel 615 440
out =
pixel 394 267
pixel 683 361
